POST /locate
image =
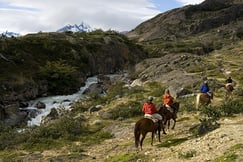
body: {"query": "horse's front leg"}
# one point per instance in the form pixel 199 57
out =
pixel 168 124
pixel 141 141
pixel 163 128
pixel 174 123
pixel 159 129
pixel 152 137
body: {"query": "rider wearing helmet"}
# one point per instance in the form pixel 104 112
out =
pixel 168 100
pixel 205 88
pixel 149 109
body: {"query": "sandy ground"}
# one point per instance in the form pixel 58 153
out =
pixel 204 148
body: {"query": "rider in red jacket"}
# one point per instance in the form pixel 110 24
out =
pixel 168 100
pixel 150 109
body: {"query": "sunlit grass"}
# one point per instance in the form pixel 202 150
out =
pixel 171 141
pixel 125 157
pixel 230 155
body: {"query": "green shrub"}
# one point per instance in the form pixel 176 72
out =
pixel 229 108
pixel 208 120
pixel 62 78
pixel 230 155
pixel 124 158
pixel 172 142
pixel 212 113
pixel 128 110
pixel 187 155
pixel 7 136
pixel 187 105
pixel 157 89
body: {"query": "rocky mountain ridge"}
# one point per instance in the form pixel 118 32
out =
pixel 197 29
pixel 190 20
pixel 82 27
pixel 9 34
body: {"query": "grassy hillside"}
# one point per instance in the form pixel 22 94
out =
pixel 70 57
pixel 177 58
pixel 73 136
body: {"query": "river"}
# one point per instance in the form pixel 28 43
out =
pixel 62 101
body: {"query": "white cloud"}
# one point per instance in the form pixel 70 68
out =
pixel 27 16
pixel 187 2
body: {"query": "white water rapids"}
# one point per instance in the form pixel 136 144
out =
pixel 57 102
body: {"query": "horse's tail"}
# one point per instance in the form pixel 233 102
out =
pixel 137 134
pixel 197 100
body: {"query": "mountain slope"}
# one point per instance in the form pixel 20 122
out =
pixel 189 20
pixel 197 29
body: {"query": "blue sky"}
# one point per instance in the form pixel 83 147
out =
pixel 165 5
pixel 31 16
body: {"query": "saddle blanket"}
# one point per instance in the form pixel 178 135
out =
pixel 148 116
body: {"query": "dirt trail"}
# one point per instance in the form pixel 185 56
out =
pixel 205 148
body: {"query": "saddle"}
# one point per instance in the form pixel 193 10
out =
pixel 169 108
pixel 229 86
pixel 148 116
pixel 205 95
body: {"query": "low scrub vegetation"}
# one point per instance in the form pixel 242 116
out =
pixel 209 115
pixel 230 155
pixel 125 158
pixel 187 155
pixel 73 127
pixel 60 77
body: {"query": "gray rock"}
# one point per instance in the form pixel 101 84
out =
pixel 40 105
pixel 95 108
pixel 106 115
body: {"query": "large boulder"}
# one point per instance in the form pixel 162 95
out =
pixel 51 116
pixel 40 105
pixel 13 116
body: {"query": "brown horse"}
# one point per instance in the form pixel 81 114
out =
pixel 168 115
pixel 229 89
pixel 145 125
pixel 203 99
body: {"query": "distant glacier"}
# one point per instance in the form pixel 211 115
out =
pixel 83 27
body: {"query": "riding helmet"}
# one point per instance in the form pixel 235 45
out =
pixel 150 98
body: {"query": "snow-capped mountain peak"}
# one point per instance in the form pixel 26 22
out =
pixel 76 28
pixel 9 34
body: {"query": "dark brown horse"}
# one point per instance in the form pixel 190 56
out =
pixel 203 99
pixel 145 125
pixel 168 115
pixel 229 89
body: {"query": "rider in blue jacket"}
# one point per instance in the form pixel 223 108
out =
pixel 204 88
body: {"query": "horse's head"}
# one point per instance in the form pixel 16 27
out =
pixel 161 109
pixel 176 106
